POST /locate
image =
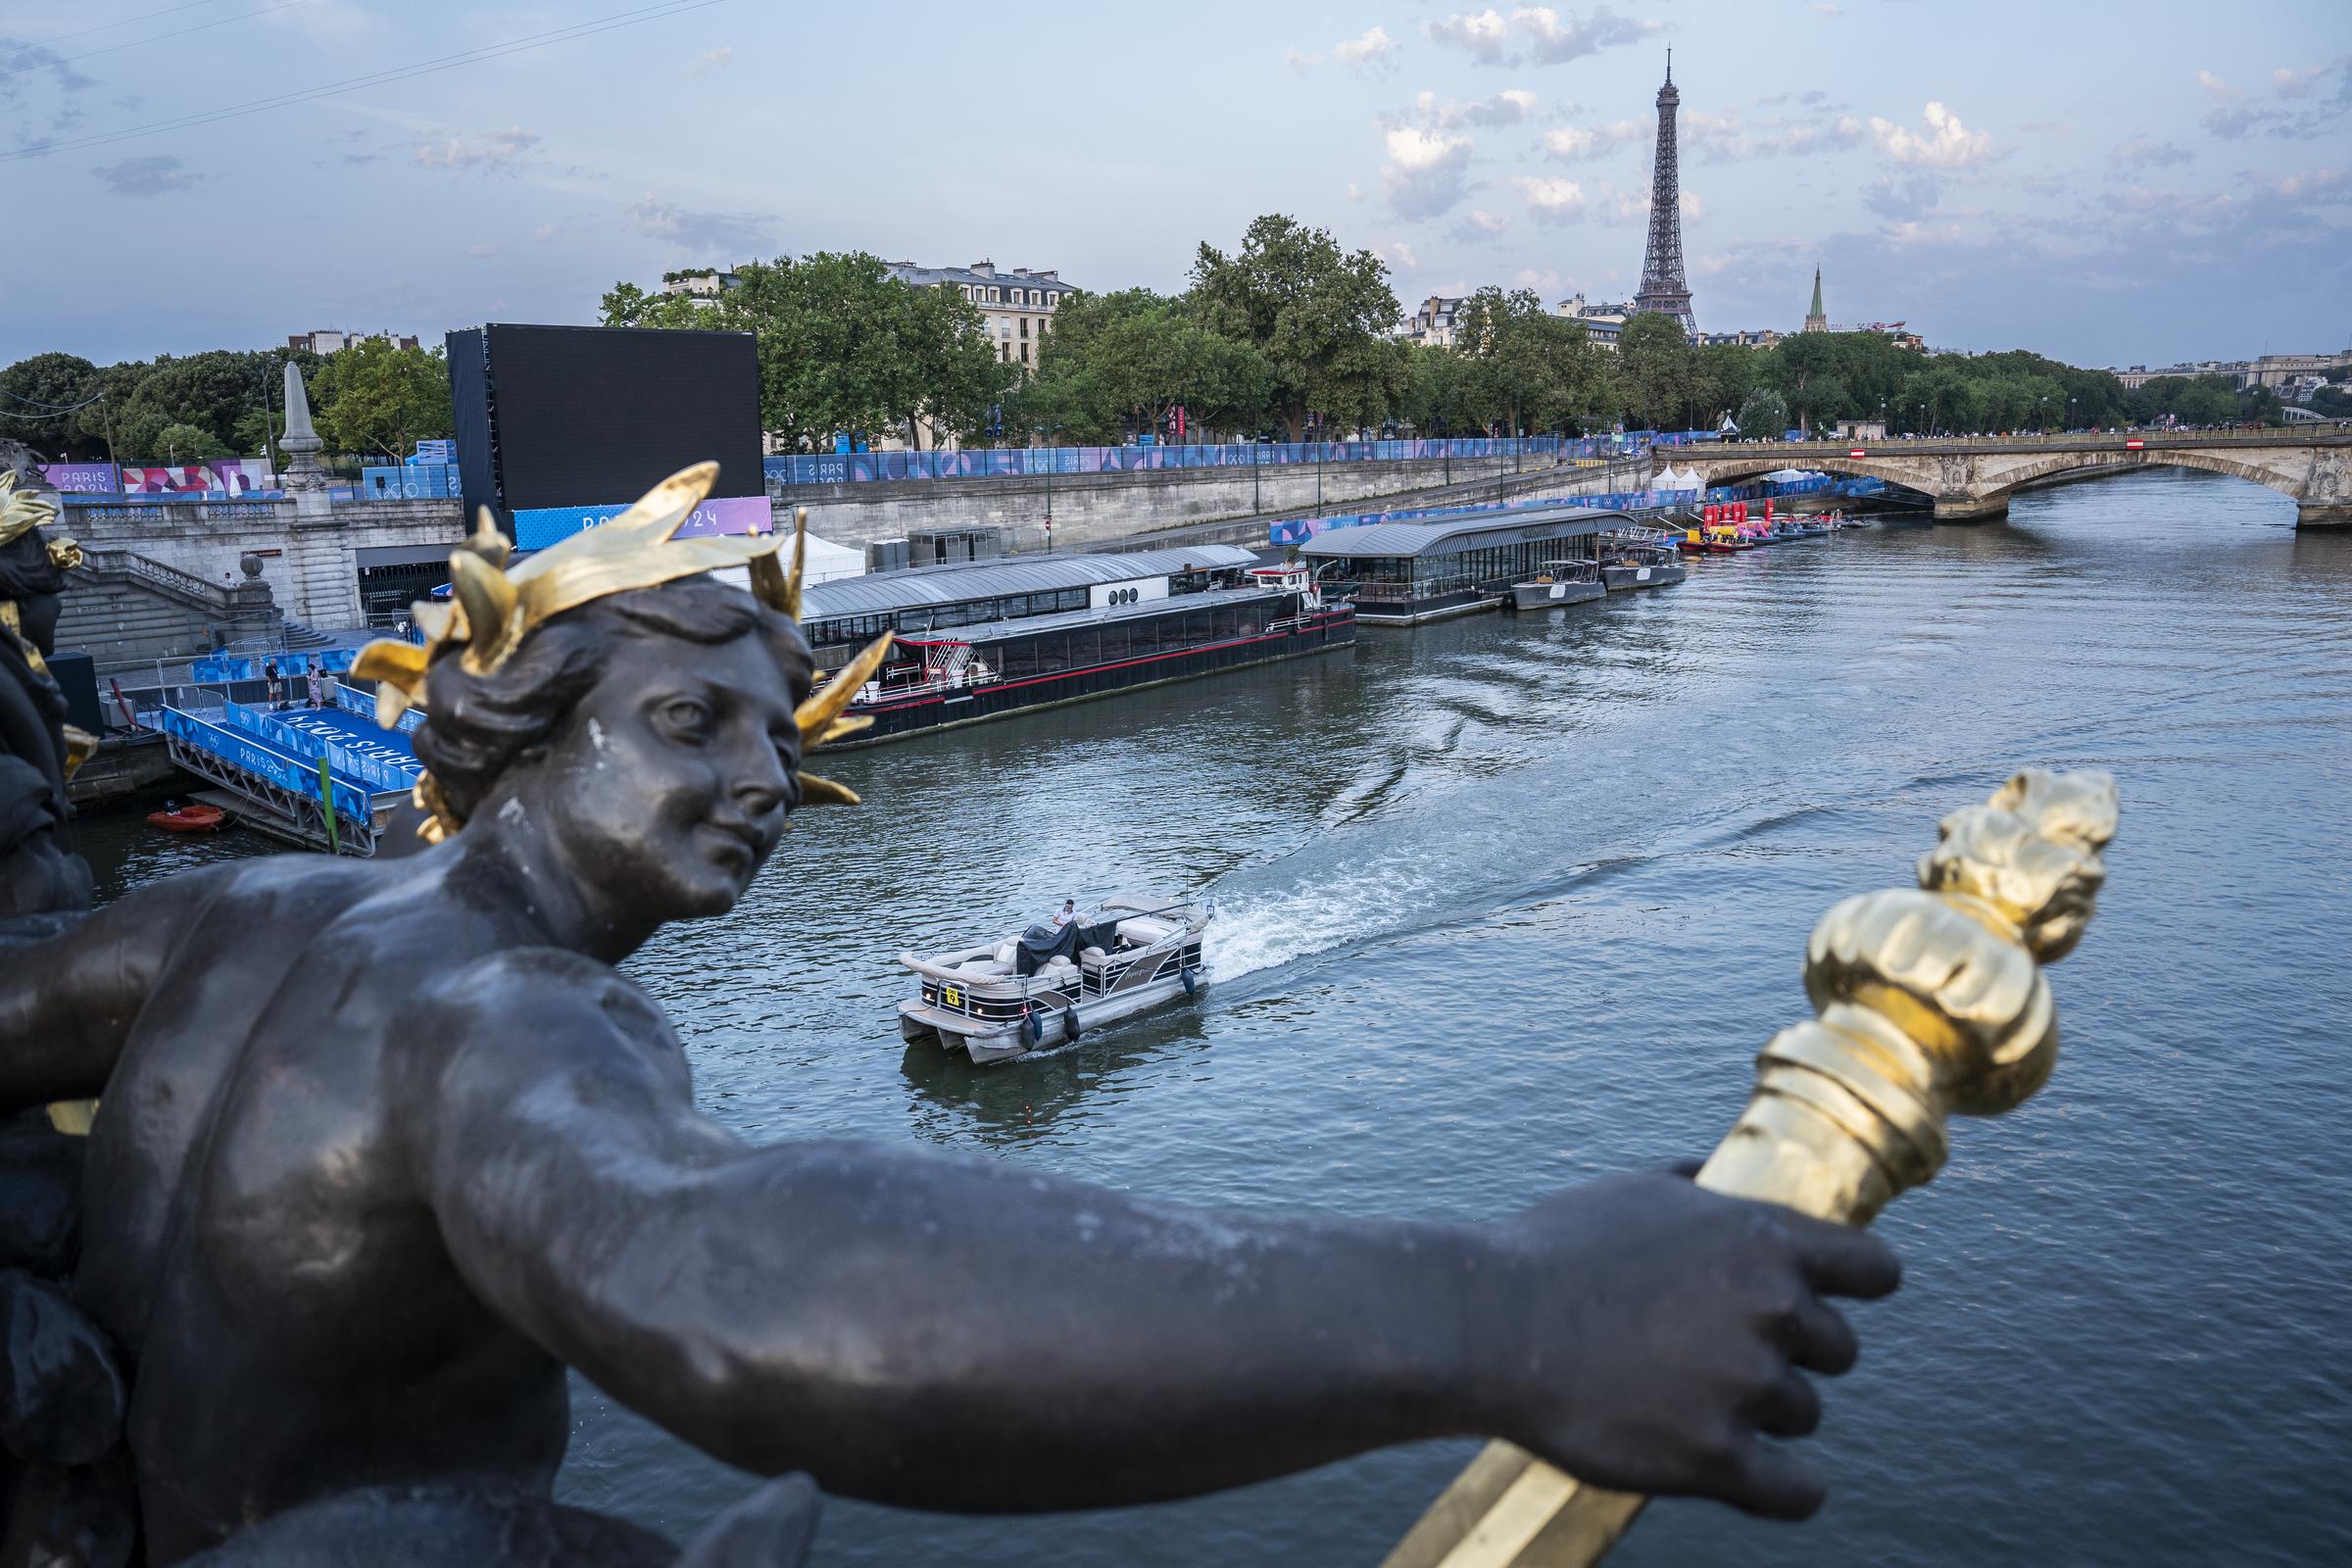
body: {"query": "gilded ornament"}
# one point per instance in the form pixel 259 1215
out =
pixel 1931 1003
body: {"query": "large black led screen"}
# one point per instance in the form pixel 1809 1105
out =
pixel 587 416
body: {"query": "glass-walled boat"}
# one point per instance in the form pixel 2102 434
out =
pixel 977 642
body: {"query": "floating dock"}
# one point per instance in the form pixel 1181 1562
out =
pixel 325 778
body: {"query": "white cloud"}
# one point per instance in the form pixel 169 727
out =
pixel 1572 143
pixel 732 232
pixel 1369 51
pixel 544 233
pixel 1553 200
pixel 712 60
pixel 1534 35
pixel 1726 138
pixel 1355 192
pixel 1825 10
pixel 1423 176
pixel 2216 87
pixel 1509 107
pixel 1398 255
pixel 1479 226
pixel 1543 283
pixel 1948 144
pixel 483 253
pixel 496 150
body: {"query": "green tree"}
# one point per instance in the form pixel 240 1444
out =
pixel 1803 368
pixel 377 398
pixel 1320 317
pixel 38 398
pixel 1657 372
pixel 1763 414
pixel 1531 368
pixel 844 347
pixel 183 443
pixel 1446 393
pixel 1120 360
pixel 210 391
pixel 1728 373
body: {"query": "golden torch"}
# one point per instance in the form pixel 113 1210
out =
pixel 1930 1003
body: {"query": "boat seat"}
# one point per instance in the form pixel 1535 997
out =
pixel 984 967
pixel 1143 931
pixel 1004 951
pixel 1094 955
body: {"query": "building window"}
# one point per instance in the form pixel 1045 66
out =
pixel 1025 326
pixel 1036 297
pixel 1024 354
pixel 1005 352
pixel 995 295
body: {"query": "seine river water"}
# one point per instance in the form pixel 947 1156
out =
pixel 1503 905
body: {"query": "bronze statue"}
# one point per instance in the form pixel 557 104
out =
pixel 384 1147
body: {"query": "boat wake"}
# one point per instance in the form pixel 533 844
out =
pixel 1264 930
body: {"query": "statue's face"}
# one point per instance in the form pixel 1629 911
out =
pixel 668 787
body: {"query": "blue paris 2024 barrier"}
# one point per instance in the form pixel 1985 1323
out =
pixel 848 468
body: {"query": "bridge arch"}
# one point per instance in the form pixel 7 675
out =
pixel 2009 480
pixel 1978 483
pixel 1734 471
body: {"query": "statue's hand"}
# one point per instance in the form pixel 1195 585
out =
pixel 1666 1332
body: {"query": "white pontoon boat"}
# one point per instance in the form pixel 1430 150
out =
pixel 1127 956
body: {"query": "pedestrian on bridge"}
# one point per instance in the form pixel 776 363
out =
pixel 278 687
pixel 318 683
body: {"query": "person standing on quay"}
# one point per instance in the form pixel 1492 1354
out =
pixel 277 688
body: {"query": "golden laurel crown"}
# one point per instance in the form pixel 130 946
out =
pixel 493 607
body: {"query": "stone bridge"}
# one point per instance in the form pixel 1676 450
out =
pixel 1971 479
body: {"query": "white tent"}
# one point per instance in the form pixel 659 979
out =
pixel 825 562
pixel 1687 480
pixel 1790 476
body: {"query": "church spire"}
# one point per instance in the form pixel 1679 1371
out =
pixel 1815 320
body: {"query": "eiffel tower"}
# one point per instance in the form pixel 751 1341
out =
pixel 1663 287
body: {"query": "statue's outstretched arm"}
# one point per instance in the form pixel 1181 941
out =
pixel 67 1002
pixel 949 1332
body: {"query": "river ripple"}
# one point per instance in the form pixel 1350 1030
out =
pixel 1504 905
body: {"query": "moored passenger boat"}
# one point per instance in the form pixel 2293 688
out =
pixel 1638 558
pixel 1557 583
pixel 1403 574
pixel 976 641
pixel 996 1001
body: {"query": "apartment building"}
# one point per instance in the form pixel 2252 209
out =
pixel 1017 304
pixel 330 342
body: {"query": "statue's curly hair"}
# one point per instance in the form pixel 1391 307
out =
pixel 476 726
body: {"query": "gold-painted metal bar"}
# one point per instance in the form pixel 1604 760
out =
pixel 1931 1002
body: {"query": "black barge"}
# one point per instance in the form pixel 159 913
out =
pixel 978 642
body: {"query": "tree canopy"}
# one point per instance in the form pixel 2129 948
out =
pixel 844 347
pixel 1323 320
pixel 1115 363
pixel 374 397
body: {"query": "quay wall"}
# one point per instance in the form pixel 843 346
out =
pixel 1094 509
pixel 309 549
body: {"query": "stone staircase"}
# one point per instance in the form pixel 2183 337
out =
pixel 127 609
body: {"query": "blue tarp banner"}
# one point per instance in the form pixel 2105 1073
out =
pixel 851 467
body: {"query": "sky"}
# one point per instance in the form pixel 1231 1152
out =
pixel 2110 184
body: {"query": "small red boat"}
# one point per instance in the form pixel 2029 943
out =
pixel 189 818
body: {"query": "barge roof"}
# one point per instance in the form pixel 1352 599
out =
pixel 1454 535
pixel 882 592
pixel 988 631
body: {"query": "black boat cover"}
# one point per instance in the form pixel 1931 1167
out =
pixel 1045 942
